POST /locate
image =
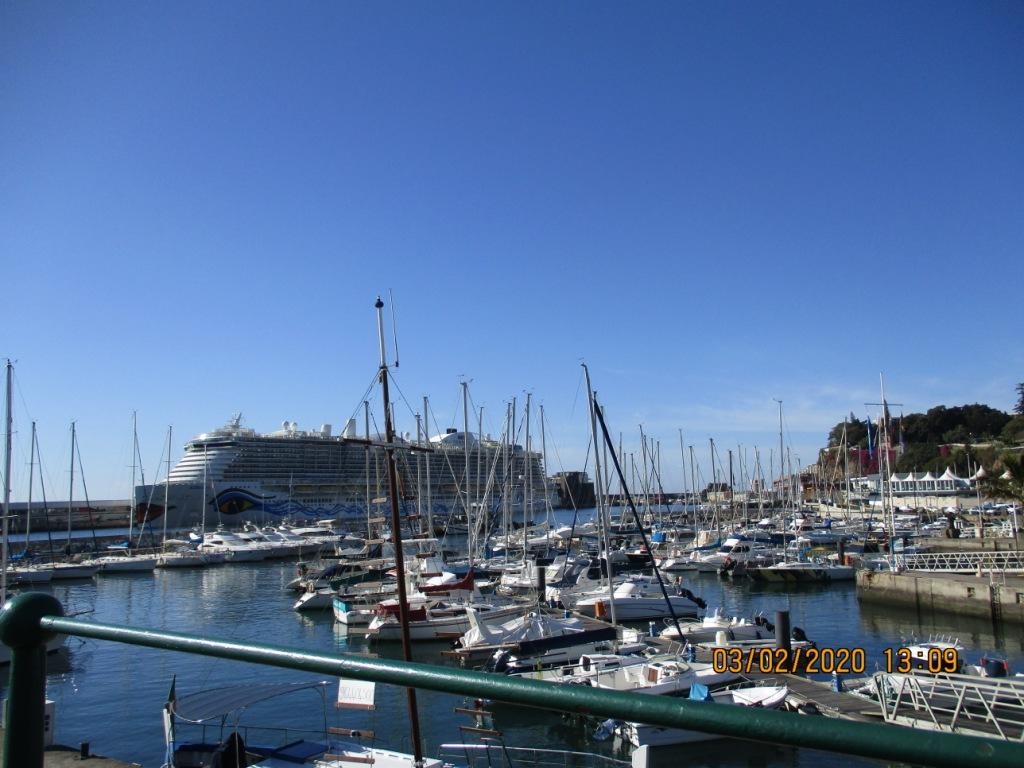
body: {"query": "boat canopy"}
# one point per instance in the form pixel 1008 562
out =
pixel 216 703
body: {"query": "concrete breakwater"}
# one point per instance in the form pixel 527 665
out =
pixel 991 596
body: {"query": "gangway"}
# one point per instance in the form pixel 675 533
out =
pixel 966 704
pixel 1011 561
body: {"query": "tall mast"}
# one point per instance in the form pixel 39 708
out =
pixel 482 486
pixel 884 473
pixel 202 518
pixel 465 458
pixel 31 482
pixel 419 473
pixel 506 489
pixel 135 450
pixel 603 513
pixel 426 458
pixel 71 489
pixel 682 457
pixel 8 427
pixel 167 480
pixel 396 532
pixel 693 486
pixel 528 474
pixel 782 459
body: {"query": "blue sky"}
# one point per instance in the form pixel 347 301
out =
pixel 715 205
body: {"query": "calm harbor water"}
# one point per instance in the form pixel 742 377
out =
pixel 111 695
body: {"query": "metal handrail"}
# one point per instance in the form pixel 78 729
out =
pixel 29 619
pixel 1010 561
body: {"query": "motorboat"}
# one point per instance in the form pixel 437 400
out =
pixel 763 697
pixel 707 628
pixel 433 619
pixel 538 638
pixel 665 675
pixel 802 571
pixel 637 598
pixel 233 546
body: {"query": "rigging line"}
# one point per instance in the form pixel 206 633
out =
pixel 394 324
pixel 149 501
pixel 636 517
pixel 42 490
pixel 402 397
pixel 366 396
pixel 88 506
pixel 579 388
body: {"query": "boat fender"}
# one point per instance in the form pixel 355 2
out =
pixel 799 635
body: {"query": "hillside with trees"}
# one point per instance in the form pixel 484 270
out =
pixel 963 437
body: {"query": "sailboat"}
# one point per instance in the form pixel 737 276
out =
pixel 70 569
pixel 122 559
pixel 30 574
pixel 56 641
pixel 178 553
pixel 218 711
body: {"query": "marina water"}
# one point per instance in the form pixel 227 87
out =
pixel 110 695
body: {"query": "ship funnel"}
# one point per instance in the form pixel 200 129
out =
pixel 325 430
pixel 350 428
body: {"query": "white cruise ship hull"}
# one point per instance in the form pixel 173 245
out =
pixel 311 476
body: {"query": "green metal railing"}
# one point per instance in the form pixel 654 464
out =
pixel 29 619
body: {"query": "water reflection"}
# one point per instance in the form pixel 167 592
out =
pixel 978 635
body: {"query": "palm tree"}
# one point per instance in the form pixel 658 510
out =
pixel 1008 484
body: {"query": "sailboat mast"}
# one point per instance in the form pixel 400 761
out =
pixel 465 458
pixel 781 456
pixel 167 481
pixel 202 518
pixel 31 482
pixel 71 488
pixel 135 450
pixel 8 428
pixel 600 488
pixel 426 460
pixel 528 474
pixel 396 533
pixel 366 457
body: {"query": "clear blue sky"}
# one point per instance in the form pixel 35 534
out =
pixel 714 204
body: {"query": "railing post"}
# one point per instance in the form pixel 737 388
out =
pixel 26 693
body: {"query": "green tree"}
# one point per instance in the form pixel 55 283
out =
pixel 856 432
pixel 1006 480
pixel 1019 407
pixel 1013 432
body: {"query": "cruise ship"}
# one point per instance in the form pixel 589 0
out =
pixel 306 476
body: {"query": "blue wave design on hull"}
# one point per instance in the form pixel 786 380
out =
pixel 236 501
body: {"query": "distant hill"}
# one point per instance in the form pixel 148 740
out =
pixel 944 436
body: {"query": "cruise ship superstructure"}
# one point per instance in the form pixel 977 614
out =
pixel 306 476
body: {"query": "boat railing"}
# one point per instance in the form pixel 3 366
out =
pixel 491 755
pixel 1010 561
pixel 30 619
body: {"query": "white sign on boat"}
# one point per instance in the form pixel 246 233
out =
pixel 355 694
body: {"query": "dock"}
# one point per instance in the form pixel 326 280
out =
pixel 991 595
pixel 806 695
pixel 72 757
